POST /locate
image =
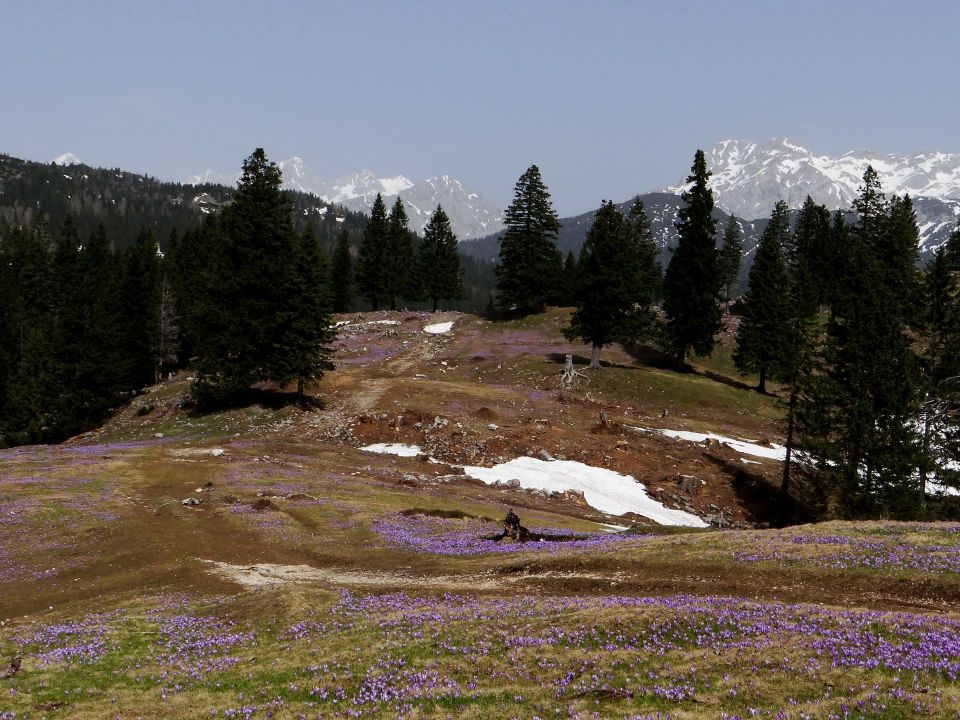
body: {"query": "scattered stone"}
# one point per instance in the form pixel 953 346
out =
pixel 493 426
pixel 190 502
pixel 15 662
pixel 545 456
pixel 688 484
pixel 440 422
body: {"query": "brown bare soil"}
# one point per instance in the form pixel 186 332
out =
pixel 290 488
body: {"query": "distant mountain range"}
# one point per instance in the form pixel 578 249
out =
pixel 471 215
pixel 748 179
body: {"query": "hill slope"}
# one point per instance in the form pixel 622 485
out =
pixel 263 562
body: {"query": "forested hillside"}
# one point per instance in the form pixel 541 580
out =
pixel 125 203
pixel 105 277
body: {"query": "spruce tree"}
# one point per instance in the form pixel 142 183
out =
pixel 308 352
pixel 897 253
pixel 139 280
pixel 401 276
pixel 762 338
pixel 91 333
pixel 941 409
pixel 807 265
pixel 859 414
pixel 610 282
pixel 692 282
pixel 341 279
pixel 808 253
pixel 730 258
pixel 373 260
pixel 438 261
pixel 650 274
pixel 529 263
pixel 260 318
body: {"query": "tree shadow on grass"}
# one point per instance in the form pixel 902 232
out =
pixel 265 397
pixel 561 358
pixel 650 356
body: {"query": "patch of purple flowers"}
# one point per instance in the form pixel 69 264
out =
pixel 444 536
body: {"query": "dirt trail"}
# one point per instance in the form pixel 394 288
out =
pixel 269 574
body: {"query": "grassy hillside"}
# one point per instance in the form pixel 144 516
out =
pixel 314 579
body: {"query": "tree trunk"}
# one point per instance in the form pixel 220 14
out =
pixel 595 356
pixel 300 391
pixel 762 385
pixel 680 356
pixel 434 304
pixel 785 479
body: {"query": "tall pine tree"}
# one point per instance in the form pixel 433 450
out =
pixel 373 260
pixel 650 274
pixel 858 416
pixel 610 282
pixel 530 264
pixel 807 265
pixel 438 261
pixel 261 319
pixel 341 279
pixel 730 258
pixel 762 338
pixel 941 409
pixel 691 284
pixel 401 275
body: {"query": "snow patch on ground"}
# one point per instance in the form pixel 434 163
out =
pixel 393 449
pixel 744 447
pixel 603 489
pixel 439 328
pixel 613 528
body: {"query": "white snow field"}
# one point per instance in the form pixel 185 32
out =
pixel 439 328
pixel 744 447
pixel 393 449
pixel 603 489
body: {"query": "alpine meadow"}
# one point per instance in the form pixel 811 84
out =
pixel 567 407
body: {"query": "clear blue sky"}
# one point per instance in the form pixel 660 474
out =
pixel 609 98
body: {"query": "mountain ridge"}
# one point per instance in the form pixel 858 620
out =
pixel 471 215
pixel 749 178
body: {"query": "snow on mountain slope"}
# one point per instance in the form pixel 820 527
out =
pixel 67 159
pixel 749 178
pixel 470 214
pixel 212 177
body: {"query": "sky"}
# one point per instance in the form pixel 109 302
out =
pixel 609 98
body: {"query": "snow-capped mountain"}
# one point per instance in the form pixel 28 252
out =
pixel 67 159
pixel 748 179
pixel 212 177
pixel 470 214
